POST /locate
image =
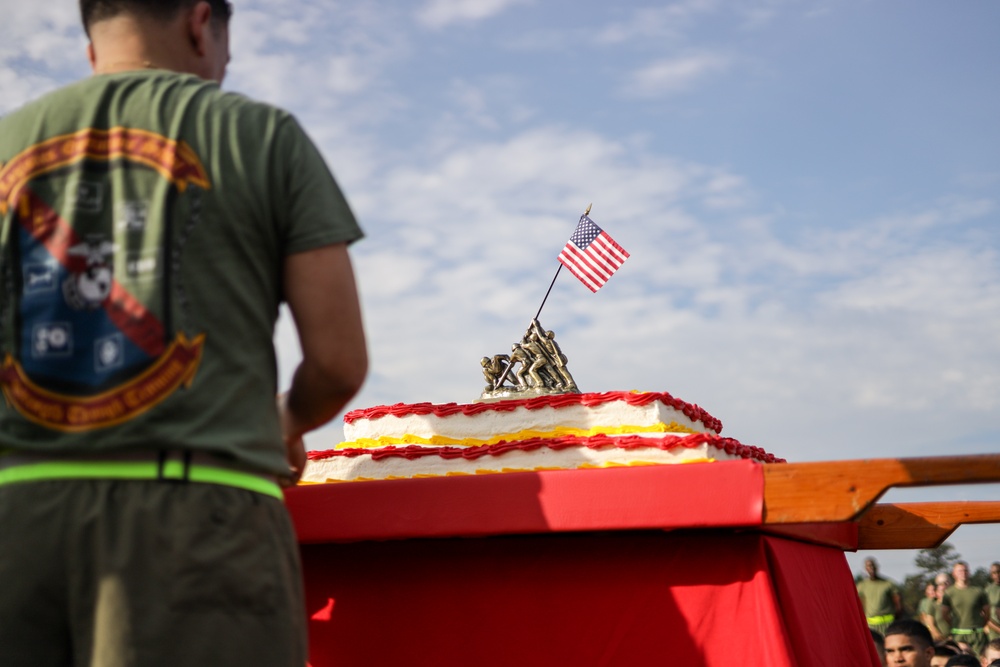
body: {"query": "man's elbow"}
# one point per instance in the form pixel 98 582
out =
pixel 355 376
pixel 345 374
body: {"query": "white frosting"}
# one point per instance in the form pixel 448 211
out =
pixel 591 433
pixel 490 426
pixel 363 467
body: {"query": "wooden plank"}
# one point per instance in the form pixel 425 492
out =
pixel 843 490
pixel 920 525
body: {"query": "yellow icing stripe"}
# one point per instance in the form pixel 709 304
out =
pixel 442 441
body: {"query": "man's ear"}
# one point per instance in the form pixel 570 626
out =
pixel 91 56
pixel 198 20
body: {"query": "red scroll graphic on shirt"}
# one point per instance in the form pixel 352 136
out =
pixel 175 367
pixel 173 160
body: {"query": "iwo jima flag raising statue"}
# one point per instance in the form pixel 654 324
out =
pixel 536 365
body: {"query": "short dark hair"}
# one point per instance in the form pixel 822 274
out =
pixel 912 629
pixel 947 647
pixel 877 638
pixel 92 11
pixel 963 660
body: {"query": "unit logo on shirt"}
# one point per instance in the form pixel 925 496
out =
pixel 93 346
pixel 90 287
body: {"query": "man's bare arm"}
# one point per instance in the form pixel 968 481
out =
pixel 928 620
pixel 322 295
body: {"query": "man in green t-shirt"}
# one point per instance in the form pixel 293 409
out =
pixel 152 225
pixel 966 608
pixel 879 597
pixel 993 595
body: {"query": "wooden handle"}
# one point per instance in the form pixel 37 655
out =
pixel 843 490
pixel 920 525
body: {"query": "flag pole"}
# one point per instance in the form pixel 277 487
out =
pixel 547 292
pixel 506 371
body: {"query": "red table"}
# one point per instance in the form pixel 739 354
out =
pixel 669 565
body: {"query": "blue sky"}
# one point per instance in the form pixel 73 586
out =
pixel 809 191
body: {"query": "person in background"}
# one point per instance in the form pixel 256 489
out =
pixel 963 660
pixel 908 644
pixel 993 595
pixel 943 652
pixel 966 608
pixel 927 609
pixel 879 597
pixel 151 227
pixel 992 652
pixel 879 641
pixel 941 583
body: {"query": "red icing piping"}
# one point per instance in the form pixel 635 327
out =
pixel 692 412
pixel 413 452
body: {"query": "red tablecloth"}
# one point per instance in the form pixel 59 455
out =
pixel 634 566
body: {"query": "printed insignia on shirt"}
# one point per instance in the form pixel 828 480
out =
pixel 131 215
pixel 39 277
pixel 90 287
pixel 52 340
pixel 94 339
pixel 88 196
pixel 109 353
pixel 142 266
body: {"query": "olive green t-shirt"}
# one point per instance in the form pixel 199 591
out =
pixel 931 607
pixel 993 595
pixel 925 606
pixel 944 627
pixel 145 220
pixel 877 596
pixel 965 605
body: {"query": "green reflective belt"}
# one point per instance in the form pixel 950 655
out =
pixel 172 470
pixel 880 620
pixel 965 631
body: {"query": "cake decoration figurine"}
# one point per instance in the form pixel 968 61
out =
pixel 539 357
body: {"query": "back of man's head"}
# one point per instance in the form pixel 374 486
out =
pixel 879 644
pixel 992 651
pixel 964 660
pixel 93 11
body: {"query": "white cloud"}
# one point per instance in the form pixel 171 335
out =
pixel 667 22
pixel 41 46
pixel 673 75
pixel 442 13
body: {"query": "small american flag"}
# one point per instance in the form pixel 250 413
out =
pixel 591 255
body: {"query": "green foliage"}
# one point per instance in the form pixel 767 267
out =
pixel 981 577
pixel 940 559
